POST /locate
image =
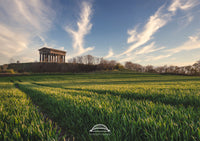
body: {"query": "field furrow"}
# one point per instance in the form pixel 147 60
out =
pixel 20 119
pixel 77 111
pixel 133 106
pixel 170 95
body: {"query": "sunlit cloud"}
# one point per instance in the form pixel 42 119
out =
pixel 148 49
pixel 161 57
pixel 192 43
pixel 110 54
pixel 20 22
pixel 11 42
pixel 184 21
pixel 182 4
pixel 84 26
pixel 61 48
pixel 158 20
pixel 154 23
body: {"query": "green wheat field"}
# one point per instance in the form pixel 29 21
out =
pixel 134 106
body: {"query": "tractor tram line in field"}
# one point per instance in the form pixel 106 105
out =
pixel 59 130
pixel 20 119
pixel 62 93
pixel 156 97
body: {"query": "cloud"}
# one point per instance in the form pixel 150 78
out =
pixel 192 43
pixel 11 42
pixel 183 63
pixel 20 22
pixel 155 22
pixel 161 57
pixel 133 35
pixel 61 48
pixel 84 26
pixel 185 20
pixel 158 57
pixel 148 49
pixel 110 54
pixel 127 59
pixel 42 39
pixel 182 4
pixel 140 53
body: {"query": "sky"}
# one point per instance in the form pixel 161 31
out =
pixel 147 32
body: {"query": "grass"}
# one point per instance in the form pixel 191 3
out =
pixel 20 119
pixel 133 106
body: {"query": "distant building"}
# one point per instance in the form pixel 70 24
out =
pixel 52 55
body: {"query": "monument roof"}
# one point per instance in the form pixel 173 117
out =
pixel 51 49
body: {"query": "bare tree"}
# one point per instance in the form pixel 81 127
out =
pixel 149 68
pixel 134 67
pixel 88 59
pixel 112 64
pixel 12 60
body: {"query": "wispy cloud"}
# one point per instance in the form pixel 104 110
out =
pixel 159 57
pixel 192 43
pixel 161 17
pixel 148 49
pixel 11 42
pixel 182 4
pixel 154 23
pixel 20 22
pixel 110 54
pixel 84 26
pixel 139 54
pixel 184 21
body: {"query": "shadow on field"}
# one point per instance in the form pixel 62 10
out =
pixel 174 100
pixel 75 120
pixel 74 82
pixel 62 134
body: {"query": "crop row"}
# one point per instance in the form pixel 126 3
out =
pixel 77 111
pixel 182 93
pixel 20 119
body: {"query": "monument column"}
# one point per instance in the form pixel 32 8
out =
pixel 42 57
pixel 47 57
pixel 53 57
pixel 61 59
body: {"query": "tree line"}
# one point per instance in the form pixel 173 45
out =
pixel 103 64
pixel 183 70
